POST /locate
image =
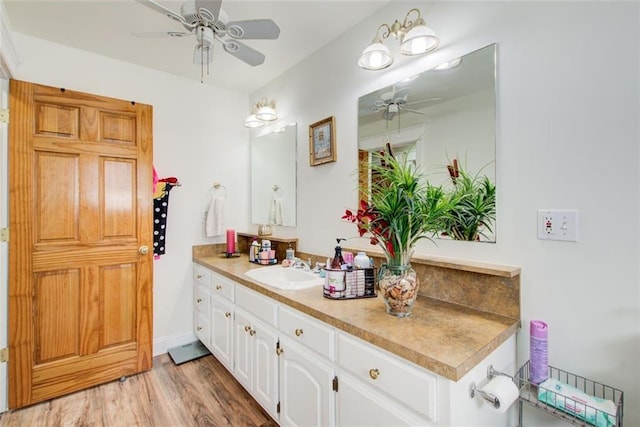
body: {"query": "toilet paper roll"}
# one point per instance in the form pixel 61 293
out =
pixel 504 389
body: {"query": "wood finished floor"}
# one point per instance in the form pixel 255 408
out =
pixel 197 393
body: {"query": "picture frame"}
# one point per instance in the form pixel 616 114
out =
pixel 322 142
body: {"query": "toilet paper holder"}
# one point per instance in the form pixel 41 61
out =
pixel 493 400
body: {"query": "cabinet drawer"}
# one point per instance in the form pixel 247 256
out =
pixel 222 286
pixel 304 329
pixel 410 385
pixel 201 275
pixel 260 306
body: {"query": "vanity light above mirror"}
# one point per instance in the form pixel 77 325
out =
pixel 415 39
pixel 263 112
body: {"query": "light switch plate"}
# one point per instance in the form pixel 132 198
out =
pixel 558 225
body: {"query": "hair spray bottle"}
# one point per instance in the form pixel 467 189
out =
pixel 539 352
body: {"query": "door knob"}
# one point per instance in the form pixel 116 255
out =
pixel 143 250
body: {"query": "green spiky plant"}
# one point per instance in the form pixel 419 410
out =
pixel 403 208
pixel 472 201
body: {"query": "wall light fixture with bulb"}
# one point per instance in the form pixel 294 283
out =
pixel 263 112
pixel 415 39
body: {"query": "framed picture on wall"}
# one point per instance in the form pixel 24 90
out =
pixel 322 142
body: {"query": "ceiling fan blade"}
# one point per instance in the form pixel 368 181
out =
pixel 415 111
pixel 161 34
pixel 203 54
pixel 165 11
pixel 243 52
pixel 253 29
pixel 423 101
pixel 209 10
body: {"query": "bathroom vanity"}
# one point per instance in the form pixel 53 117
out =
pixel 313 361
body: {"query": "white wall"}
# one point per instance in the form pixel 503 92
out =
pixel 199 138
pixel 567 137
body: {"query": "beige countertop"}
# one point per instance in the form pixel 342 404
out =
pixel 445 338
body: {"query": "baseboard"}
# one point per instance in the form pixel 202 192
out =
pixel 163 344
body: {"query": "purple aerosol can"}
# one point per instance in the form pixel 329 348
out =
pixel 539 352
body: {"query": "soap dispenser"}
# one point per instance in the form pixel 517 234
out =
pixel 337 260
pixel 291 253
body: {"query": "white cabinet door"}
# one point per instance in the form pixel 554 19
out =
pixel 265 367
pixel 222 330
pixel 202 314
pixel 242 348
pixel 255 359
pixel 306 387
pixel 360 405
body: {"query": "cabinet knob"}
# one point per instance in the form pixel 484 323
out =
pixel 199 328
pixel 299 332
pixel 227 314
pixel 247 328
pixel 374 373
pixel 279 351
pixel 252 332
pixel 199 300
pixel 218 287
pixel 198 276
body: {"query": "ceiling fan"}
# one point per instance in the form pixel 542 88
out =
pixel 393 102
pixel 208 22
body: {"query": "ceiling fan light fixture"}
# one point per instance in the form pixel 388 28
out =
pixel 376 56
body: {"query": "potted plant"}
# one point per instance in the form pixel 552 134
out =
pixel 403 208
pixel 472 200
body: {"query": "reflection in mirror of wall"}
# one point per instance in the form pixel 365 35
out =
pixel 445 113
pixel 273 177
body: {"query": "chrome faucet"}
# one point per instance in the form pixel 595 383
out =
pixel 298 263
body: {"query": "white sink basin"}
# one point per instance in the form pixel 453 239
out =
pixel 286 278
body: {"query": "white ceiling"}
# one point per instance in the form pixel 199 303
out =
pixel 107 27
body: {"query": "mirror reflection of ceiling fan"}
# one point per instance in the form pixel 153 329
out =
pixel 208 22
pixel 395 101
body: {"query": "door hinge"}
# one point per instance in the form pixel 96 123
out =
pixel 4 355
pixel 278 408
pixel 335 384
pixel 4 115
pixel 279 349
pixel 4 234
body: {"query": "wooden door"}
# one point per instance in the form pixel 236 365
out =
pixel 80 216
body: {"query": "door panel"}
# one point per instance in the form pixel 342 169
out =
pixel 56 197
pixel 80 293
pixel 119 189
pixel 57 314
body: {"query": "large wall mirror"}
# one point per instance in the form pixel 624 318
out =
pixel 442 114
pixel 273 177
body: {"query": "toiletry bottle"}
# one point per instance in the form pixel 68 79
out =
pixel 290 253
pixel 539 351
pixel 337 261
pixel 361 260
pixel 253 250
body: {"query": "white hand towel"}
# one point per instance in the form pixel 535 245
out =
pixel 215 217
pixel 275 213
